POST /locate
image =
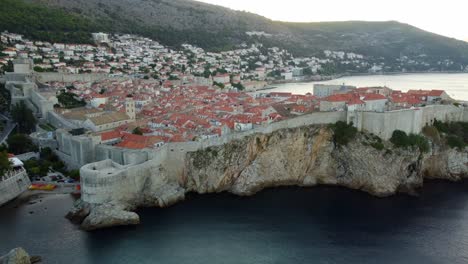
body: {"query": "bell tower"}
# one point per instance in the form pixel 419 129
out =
pixel 130 107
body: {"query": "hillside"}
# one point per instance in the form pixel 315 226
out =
pixel 174 22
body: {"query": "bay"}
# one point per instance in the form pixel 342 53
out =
pixel 456 84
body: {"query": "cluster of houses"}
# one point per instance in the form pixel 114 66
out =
pixel 129 55
pixel 138 113
pixel 177 96
pixel 376 99
pixel 151 112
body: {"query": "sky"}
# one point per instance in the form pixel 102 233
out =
pixel 447 17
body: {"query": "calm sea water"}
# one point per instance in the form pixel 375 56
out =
pixel 290 225
pixel 455 84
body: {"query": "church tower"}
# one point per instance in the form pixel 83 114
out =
pixel 130 107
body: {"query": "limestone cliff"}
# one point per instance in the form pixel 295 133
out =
pixel 305 156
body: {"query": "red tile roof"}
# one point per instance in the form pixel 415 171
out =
pixel 372 97
pixel 436 93
pixel 110 135
pixel 339 98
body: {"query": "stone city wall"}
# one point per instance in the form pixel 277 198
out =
pixel 77 150
pixel 44 77
pixel 12 187
pixel 108 180
pixel 383 124
pixel 121 155
pixel 408 120
pixel 111 181
pixel 59 122
pixel 42 104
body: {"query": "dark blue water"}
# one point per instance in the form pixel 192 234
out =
pixel 292 225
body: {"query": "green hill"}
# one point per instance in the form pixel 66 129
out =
pixel 215 28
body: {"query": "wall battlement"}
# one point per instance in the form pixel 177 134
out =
pixel 13 186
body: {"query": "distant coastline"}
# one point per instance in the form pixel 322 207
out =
pixel 318 78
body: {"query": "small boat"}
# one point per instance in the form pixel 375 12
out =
pixel 42 187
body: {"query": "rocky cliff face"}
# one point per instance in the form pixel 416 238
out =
pixel 304 156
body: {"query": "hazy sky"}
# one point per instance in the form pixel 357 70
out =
pixel 447 17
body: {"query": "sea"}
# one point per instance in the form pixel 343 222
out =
pixel 455 84
pixel 323 224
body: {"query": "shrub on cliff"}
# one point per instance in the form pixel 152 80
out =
pixel 401 140
pixel 456 133
pixel 432 132
pixel 455 142
pixel 343 133
pixel 419 141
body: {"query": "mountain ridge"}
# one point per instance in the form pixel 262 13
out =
pixel 217 28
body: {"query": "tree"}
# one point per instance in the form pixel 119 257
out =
pixel 68 100
pixel 20 143
pixel 239 86
pixel 38 69
pixel 5 99
pixel 399 139
pixel 343 133
pixel 137 131
pixel 9 67
pixel 22 115
pixel 455 142
pixel 74 174
pixel 308 71
pixel 220 85
pixel 5 164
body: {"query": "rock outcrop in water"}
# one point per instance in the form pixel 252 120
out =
pixel 305 156
pixel 18 256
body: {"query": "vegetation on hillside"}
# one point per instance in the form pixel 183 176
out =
pixel 137 131
pixel 401 140
pixel 69 100
pixel 24 117
pixel 5 99
pixel 215 28
pixel 455 133
pixel 47 160
pixel 20 144
pixel 45 23
pixel 5 164
pixel 343 133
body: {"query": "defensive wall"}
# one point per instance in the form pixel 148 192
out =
pixel 59 122
pixel 13 185
pixel 383 124
pixel 27 92
pixel 44 77
pixel 120 173
pixel 75 151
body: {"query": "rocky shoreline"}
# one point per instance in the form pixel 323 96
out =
pixel 305 156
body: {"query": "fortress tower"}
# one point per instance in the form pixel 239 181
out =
pixel 130 107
